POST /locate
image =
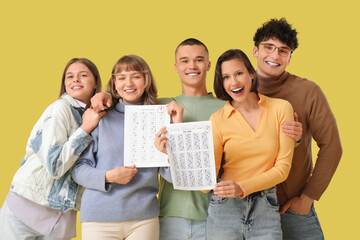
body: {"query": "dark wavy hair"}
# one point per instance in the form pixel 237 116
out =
pixel 219 81
pixel 277 28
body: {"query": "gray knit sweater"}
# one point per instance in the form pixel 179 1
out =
pixel 114 202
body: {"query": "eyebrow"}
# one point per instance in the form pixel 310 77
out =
pixel 131 73
pixel 202 57
pixel 79 72
pixel 278 47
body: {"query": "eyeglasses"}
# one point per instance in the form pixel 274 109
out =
pixel 283 51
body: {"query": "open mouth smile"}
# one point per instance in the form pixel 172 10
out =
pixel 76 87
pixel 130 90
pixel 192 74
pixel 272 64
pixel 238 91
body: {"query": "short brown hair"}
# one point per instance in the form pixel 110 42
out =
pixel 218 80
pixel 90 65
pixel 134 63
pixel 191 42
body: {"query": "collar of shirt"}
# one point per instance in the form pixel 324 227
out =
pixel 81 104
pixel 229 109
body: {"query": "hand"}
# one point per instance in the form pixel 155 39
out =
pixel 161 140
pixel 175 111
pixel 227 189
pixel 299 205
pixel 121 175
pixel 293 129
pixel 100 101
pixel 91 119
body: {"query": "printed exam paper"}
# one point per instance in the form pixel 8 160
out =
pixel 191 152
pixel 142 122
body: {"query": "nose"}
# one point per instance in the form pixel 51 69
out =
pixel 193 64
pixel 76 78
pixel 233 80
pixel 275 54
pixel 128 81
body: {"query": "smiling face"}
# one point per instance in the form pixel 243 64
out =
pixel 130 85
pixel 192 63
pixel 271 64
pixel 80 82
pixel 236 79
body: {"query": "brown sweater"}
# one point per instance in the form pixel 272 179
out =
pixel 318 122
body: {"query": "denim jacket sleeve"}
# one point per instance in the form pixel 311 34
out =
pixel 60 141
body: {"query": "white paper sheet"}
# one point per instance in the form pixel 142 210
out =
pixel 142 122
pixel 191 152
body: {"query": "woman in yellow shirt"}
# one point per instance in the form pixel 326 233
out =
pixel 254 153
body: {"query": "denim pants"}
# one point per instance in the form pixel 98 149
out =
pixel 254 217
pixel 176 228
pixel 301 227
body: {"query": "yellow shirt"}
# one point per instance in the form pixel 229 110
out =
pixel 259 159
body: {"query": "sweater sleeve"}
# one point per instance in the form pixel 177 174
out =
pixel 85 172
pixel 53 146
pixel 324 130
pixel 165 173
pixel 280 171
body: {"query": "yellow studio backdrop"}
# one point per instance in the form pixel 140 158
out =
pixel 37 38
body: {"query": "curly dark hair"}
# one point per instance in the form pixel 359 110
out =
pixel 277 28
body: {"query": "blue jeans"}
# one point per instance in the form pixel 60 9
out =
pixel 254 217
pixel 176 228
pixel 304 227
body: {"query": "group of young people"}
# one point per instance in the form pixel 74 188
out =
pixel 266 185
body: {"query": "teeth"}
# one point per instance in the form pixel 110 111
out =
pixel 193 74
pixel 130 90
pixel 76 87
pixel 273 64
pixel 238 89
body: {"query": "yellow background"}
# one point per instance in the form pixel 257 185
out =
pixel 37 38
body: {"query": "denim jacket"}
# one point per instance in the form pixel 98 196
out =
pixel 54 145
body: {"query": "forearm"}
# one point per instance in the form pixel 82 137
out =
pixel 265 180
pixel 89 177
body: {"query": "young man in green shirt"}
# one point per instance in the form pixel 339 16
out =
pixel 183 213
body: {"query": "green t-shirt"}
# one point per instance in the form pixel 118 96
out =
pixel 179 203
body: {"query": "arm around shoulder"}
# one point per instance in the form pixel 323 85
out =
pixel 56 144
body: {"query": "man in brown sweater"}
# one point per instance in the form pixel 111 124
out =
pixel 275 42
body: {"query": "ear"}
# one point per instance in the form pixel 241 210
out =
pixel 176 68
pixel 288 62
pixel 208 67
pixel 255 51
pixel 252 77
